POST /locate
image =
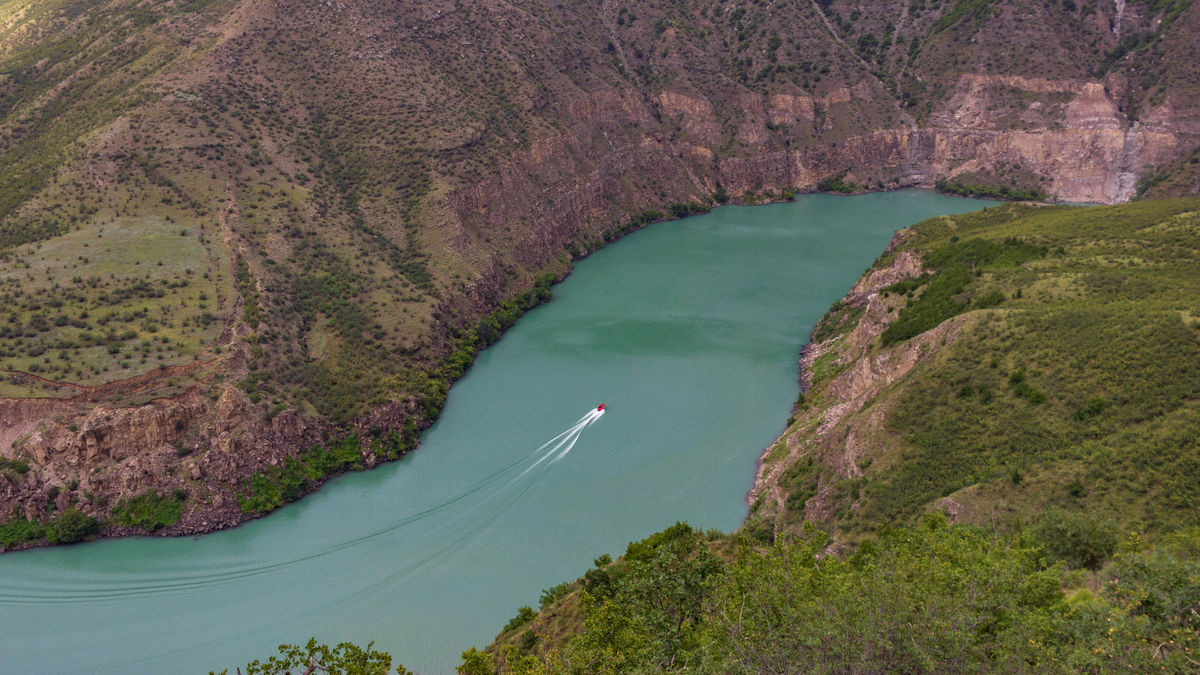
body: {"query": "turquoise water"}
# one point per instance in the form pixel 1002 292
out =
pixel 688 330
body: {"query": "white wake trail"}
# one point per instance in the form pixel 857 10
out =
pixel 591 419
pixel 558 447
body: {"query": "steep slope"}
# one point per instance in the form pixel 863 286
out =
pixel 998 364
pixel 235 230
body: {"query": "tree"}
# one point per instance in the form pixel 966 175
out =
pixel 1076 539
pixel 344 659
pixel 475 662
pixel 650 620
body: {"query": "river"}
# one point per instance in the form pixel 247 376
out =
pixel 688 330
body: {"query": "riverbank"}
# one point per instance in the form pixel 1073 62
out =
pixel 687 330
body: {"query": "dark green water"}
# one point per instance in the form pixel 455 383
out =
pixel 688 330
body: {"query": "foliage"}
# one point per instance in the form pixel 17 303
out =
pixel 1079 540
pixel 923 599
pixel 999 192
pixel 651 618
pixel 684 209
pixel 431 387
pixel 524 615
pixel 271 488
pixel 1083 381
pixel 344 659
pixel 150 511
pixel 71 525
pixel 836 183
pixel 839 320
pixel 475 662
pixel 553 594
pixel 958 264
pixel 720 196
pixel 1145 618
pixel 15 466
pixel 927 598
pixel 18 530
pixel 962 9
pixel 246 286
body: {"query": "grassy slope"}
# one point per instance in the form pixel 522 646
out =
pixel 119 289
pixel 1079 388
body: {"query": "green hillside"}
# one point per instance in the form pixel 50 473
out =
pixel 1068 376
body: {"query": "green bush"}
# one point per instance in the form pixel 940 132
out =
pixel 524 615
pixel 1077 539
pixel 70 526
pixel 553 594
pixel 836 183
pixel 271 488
pixel 150 511
pixel 1091 409
pixel 998 192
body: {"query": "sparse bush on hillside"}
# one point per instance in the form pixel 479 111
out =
pixel 1079 540
pixel 18 530
pixel 524 615
pixel 957 265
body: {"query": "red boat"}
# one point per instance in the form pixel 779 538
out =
pixel 601 408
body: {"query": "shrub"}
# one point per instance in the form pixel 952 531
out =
pixel 524 616
pixel 958 264
pixel 1079 540
pixel 149 511
pixel 553 594
pixel 836 183
pixel 999 192
pixel 1091 409
pixel 70 526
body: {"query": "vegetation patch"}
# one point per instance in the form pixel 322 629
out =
pixel 958 264
pixel 999 192
pixel 270 489
pixel 927 597
pixel 18 530
pixel 150 511
pixel 837 183
pixel 106 303
pixel 1074 395
pixel 70 526
pixel 839 320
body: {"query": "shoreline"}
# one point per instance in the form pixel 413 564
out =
pixel 228 514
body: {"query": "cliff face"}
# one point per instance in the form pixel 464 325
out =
pixel 845 429
pixel 359 183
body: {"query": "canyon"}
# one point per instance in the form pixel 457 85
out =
pixel 374 183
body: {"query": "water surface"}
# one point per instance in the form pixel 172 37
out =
pixel 688 330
